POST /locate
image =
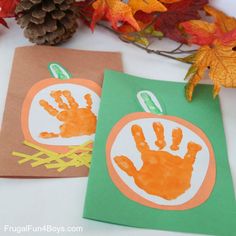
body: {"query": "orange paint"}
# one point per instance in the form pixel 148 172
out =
pixel 76 121
pixel 164 159
pixel 48 135
pixel 177 136
pixel 139 138
pixel 51 110
pixel 162 174
pixel 159 131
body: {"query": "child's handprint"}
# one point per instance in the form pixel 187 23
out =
pixel 76 121
pixel 162 173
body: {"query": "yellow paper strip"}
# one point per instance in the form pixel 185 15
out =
pixel 76 156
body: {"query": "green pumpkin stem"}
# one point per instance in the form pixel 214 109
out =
pixel 150 103
pixel 58 71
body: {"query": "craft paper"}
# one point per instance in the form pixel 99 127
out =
pixel 159 161
pixel 51 111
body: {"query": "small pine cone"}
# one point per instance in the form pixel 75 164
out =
pixel 48 22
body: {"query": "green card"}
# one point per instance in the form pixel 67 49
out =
pixel 160 162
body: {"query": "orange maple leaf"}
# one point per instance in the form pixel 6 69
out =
pixel 142 18
pixel 147 6
pixel 217 52
pixel 224 22
pixel 200 32
pixel 204 33
pixel 115 11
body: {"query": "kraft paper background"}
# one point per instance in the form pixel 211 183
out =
pixel 30 65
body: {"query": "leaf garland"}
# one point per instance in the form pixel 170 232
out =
pixel 141 21
pixel 181 11
pixel 114 11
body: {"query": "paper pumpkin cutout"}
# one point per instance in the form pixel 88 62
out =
pixel 61 112
pixel 58 118
pixel 160 161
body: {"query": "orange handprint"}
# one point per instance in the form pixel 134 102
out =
pixel 162 173
pixel 76 121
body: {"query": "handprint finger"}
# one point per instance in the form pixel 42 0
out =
pixel 159 131
pixel 88 101
pixel 57 97
pixel 126 165
pixel 73 104
pixel 48 135
pixel 47 107
pixel 177 136
pixel 139 138
pixel 192 150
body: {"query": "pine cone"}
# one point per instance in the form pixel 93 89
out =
pixel 47 22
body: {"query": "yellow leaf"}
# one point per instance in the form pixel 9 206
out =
pixel 192 71
pixel 136 39
pixel 221 61
pixel 188 59
pixel 226 23
pixel 147 6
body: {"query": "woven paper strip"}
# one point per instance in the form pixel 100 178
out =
pixel 76 156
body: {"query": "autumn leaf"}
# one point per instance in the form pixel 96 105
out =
pixel 170 1
pixel 176 13
pixel 7 8
pixel 204 33
pixel 85 10
pixel 147 31
pixel 224 22
pixel 142 10
pixel 141 37
pixel 115 11
pixel 3 22
pixel 128 29
pixel 216 54
pixel 221 61
pixel 147 6
pixel 200 32
pixel 142 18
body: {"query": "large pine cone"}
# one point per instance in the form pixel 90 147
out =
pixel 47 22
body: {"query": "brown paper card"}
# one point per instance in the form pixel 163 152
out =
pixel 33 103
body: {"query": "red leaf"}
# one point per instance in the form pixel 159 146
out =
pixel 202 33
pixel 178 12
pixel 7 8
pixel 229 37
pixel 3 22
pixel 85 10
pixel 146 18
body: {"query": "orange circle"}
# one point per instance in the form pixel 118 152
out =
pixel 204 191
pixel 31 94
